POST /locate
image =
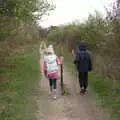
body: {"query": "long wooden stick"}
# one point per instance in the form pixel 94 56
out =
pixel 62 84
pixel 61 66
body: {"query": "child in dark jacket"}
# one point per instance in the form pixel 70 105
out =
pixel 83 63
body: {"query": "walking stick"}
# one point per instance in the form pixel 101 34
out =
pixel 61 67
pixel 62 85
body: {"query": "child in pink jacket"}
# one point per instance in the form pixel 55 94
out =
pixel 52 69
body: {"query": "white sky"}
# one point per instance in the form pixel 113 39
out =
pixel 70 10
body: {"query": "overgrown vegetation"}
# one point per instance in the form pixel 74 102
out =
pixel 18 24
pixel 19 90
pixel 19 66
pixel 102 36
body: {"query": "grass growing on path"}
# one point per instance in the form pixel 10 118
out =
pixel 18 95
pixel 107 91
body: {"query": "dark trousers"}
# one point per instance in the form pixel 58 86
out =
pixel 83 79
pixel 53 83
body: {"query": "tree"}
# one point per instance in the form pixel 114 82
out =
pixel 18 21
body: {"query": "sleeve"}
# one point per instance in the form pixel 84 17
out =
pixel 90 63
pixel 58 61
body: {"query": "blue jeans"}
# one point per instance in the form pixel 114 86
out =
pixel 53 83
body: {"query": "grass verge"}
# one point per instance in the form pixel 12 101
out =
pixel 107 92
pixel 17 96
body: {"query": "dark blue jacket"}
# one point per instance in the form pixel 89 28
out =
pixel 83 59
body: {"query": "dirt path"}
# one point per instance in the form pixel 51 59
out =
pixel 70 107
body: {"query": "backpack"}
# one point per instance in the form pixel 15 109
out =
pixel 51 66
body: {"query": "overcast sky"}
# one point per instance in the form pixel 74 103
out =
pixel 70 10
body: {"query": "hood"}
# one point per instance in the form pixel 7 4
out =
pixel 83 46
pixel 50 59
pixel 50 49
pixel 50 46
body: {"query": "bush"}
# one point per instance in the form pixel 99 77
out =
pixel 98 32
